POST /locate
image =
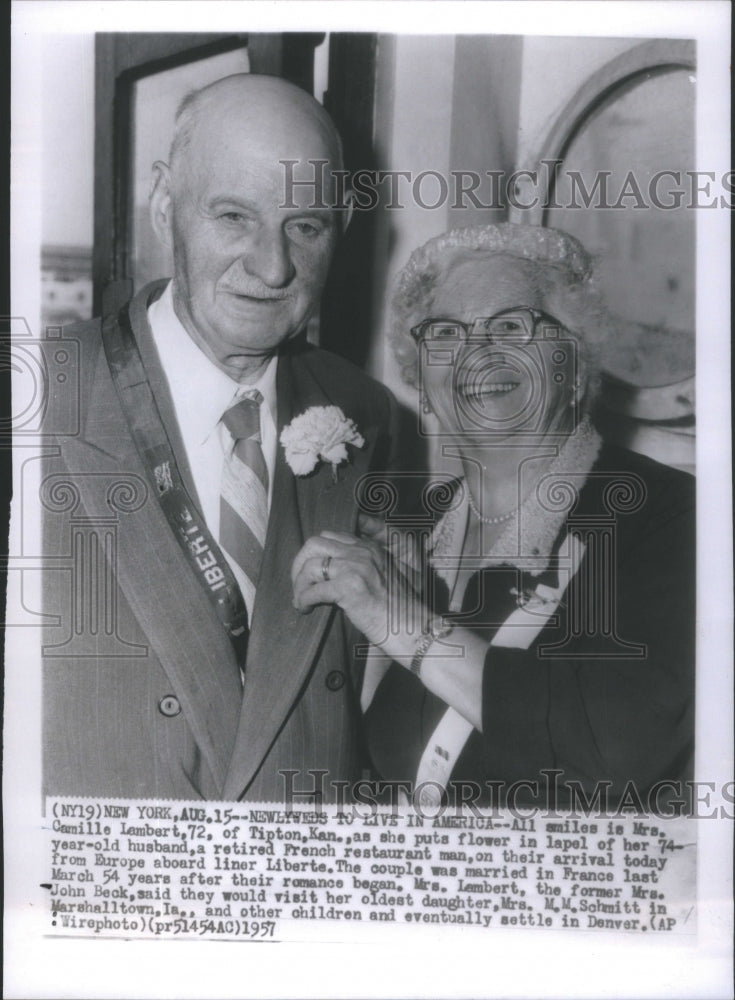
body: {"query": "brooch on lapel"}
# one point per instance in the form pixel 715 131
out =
pixel 320 433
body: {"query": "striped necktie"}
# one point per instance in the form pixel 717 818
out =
pixel 244 493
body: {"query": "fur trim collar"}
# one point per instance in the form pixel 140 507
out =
pixel 527 541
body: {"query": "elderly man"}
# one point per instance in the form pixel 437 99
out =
pixel 198 678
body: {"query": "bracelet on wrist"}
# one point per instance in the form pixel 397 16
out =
pixel 436 628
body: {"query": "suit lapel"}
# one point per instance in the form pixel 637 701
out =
pixel 152 571
pixel 283 643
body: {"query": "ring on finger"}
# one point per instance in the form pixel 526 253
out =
pixel 325 567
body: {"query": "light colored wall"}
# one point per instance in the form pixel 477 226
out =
pixel 68 139
pixel 463 103
pixel 443 102
pixel 413 133
pixel 485 110
pixel 553 69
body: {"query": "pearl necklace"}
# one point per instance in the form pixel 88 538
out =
pixel 489 520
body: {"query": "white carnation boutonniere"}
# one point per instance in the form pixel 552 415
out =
pixel 320 433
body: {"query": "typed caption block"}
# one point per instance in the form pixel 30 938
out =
pixel 258 872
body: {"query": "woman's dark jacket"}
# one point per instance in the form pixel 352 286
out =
pixel 605 694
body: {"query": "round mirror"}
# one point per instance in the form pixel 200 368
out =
pixel 624 184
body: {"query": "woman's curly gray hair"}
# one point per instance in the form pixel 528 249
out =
pixel 562 275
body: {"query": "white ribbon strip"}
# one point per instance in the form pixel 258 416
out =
pixel 518 631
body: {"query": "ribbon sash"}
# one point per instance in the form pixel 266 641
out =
pixel 154 448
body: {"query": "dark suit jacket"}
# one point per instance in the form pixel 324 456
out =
pixel 614 708
pixel 142 693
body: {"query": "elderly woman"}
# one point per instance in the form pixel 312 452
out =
pixel 557 643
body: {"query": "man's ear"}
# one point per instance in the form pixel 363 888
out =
pixel 161 204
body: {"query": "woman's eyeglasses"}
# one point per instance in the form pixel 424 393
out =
pixel 517 325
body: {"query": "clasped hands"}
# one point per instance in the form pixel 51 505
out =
pixel 364 579
pixel 370 581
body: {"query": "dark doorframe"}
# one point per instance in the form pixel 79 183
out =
pixel 346 314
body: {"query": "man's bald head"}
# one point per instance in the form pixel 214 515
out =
pixel 258 105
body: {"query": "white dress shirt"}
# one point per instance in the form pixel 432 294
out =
pixel 201 393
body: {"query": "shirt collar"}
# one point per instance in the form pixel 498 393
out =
pixel 201 391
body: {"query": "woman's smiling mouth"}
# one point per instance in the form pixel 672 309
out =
pixel 488 380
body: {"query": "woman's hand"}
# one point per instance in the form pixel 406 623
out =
pixel 359 576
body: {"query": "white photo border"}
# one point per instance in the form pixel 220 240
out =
pixel 425 964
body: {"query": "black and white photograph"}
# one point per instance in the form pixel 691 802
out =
pixel 370 565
